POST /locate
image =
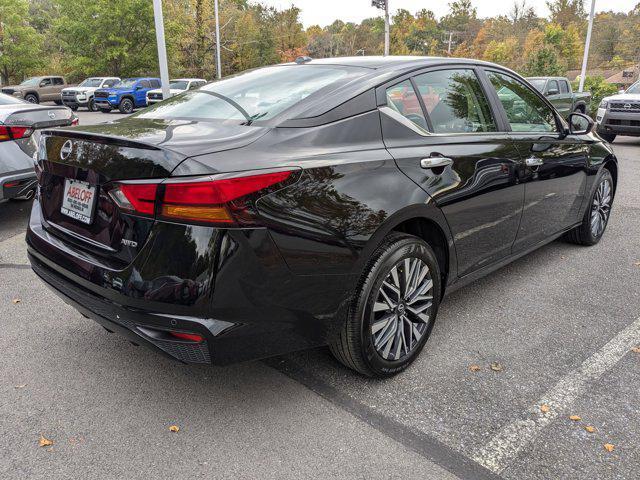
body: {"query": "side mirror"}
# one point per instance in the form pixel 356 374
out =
pixel 552 91
pixel 580 124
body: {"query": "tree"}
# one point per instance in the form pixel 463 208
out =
pixel 20 43
pixel 543 62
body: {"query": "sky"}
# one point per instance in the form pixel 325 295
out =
pixel 324 12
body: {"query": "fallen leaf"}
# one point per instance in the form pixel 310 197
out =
pixel 637 264
pixel 635 349
pixel 16 300
pixel 590 429
pixel 496 367
pixel 474 368
pixel 544 408
pixel 575 418
pixel 174 428
pixel 609 447
pixel 20 386
pixel 44 442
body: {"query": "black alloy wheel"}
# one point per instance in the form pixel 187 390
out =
pixel 31 98
pixel 126 105
pixel 596 218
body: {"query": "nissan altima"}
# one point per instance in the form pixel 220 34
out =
pixel 322 202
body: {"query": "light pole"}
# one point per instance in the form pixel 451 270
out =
pixel 587 43
pixel 384 5
pixel 162 48
pixel 218 67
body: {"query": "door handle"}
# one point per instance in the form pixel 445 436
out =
pixel 534 162
pixel 435 162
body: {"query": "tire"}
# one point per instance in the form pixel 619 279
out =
pixel 126 105
pixel 92 106
pixel 368 321
pixel 585 234
pixel 609 137
pixel 74 109
pixel 58 102
pixel 580 109
pixel 31 98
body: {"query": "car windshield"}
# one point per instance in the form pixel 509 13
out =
pixel 126 83
pixel 255 95
pixel 538 83
pixel 635 88
pixel 178 84
pixel 91 82
pixel 32 81
pixel 9 100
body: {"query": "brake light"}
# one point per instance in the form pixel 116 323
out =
pixel 75 121
pixel 14 132
pixel 224 201
pixel 137 198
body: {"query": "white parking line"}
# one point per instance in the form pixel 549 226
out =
pixel 511 439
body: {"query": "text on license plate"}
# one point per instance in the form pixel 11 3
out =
pixel 78 200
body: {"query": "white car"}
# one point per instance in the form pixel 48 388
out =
pixel 82 95
pixel 176 86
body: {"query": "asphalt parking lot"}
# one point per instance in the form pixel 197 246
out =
pixel 511 358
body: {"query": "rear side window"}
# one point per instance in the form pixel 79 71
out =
pixel 526 111
pixel 58 81
pixel 455 101
pixel 403 99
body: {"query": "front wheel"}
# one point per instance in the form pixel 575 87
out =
pixel 31 98
pixel 393 310
pixel 92 106
pixel 126 106
pixel 596 218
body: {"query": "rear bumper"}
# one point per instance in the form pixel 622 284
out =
pixel 243 299
pixel 618 123
pixel 17 184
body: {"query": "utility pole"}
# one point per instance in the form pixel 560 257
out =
pixel 162 48
pixel 587 43
pixel 218 64
pixel 449 43
pixel 384 5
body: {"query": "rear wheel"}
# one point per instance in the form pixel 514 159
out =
pixel 31 98
pixel 609 137
pixel 596 218
pixel 126 105
pixel 393 311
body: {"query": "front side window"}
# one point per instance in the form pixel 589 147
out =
pixel 403 99
pixel 145 84
pixel 552 88
pixel 455 101
pixel 526 111
pixel 46 82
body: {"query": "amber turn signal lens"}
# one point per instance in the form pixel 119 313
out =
pixel 197 213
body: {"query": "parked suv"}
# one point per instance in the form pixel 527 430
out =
pixel 176 86
pixel 126 95
pixel 559 92
pixel 620 114
pixel 82 95
pixel 38 89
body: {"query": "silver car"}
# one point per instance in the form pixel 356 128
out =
pixel 19 125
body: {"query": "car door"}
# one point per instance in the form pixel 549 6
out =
pixel 448 140
pixel 555 162
pixel 45 90
pixel 552 92
pixel 141 92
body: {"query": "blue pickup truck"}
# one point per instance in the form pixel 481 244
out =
pixel 126 95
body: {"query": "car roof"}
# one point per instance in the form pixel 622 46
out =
pixel 389 62
pixel 187 79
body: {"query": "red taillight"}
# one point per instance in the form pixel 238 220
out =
pixel 135 197
pixel 14 132
pixel 192 337
pixel 224 201
pixel 75 121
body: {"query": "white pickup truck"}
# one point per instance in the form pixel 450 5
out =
pixel 82 95
pixel 620 114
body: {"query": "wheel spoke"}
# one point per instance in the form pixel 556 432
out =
pixel 382 323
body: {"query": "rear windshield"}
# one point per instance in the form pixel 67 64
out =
pixel 9 100
pixel 538 83
pixel 252 96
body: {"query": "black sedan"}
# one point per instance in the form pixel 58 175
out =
pixel 323 202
